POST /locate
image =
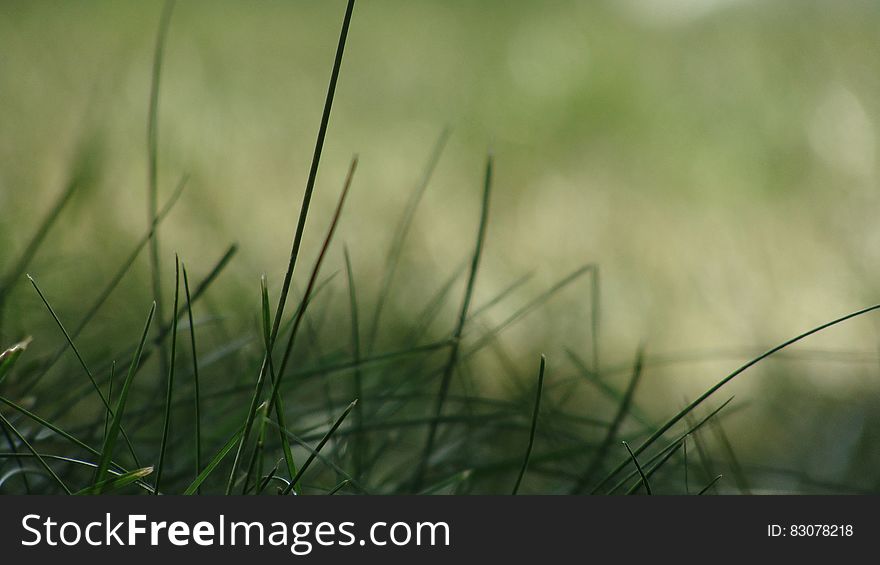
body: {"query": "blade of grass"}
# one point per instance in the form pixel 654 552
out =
pixel 619 417
pixel 644 478
pixel 298 318
pixel 360 446
pixel 255 467
pixel 215 461
pixel 534 426
pixel 85 367
pixel 318 448
pixel 339 487
pixel 166 425
pixel 400 234
pixel 313 172
pixel 116 424
pixel 739 476
pixel 195 362
pixel 454 480
pixel 107 416
pixel 153 176
pixel 118 482
pixel 140 484
pixel 710 485
pixel 276 400
pixel 650 472
pixel 313 278
pixel 10 356
pixel 700 399
pixel 446 379
pixel 315 452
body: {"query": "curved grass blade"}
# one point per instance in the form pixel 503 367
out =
pixel 639 469
pixel 534 426
pixel 670 446
pixel 700 399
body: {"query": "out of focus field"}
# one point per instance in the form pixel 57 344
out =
pixel 717 159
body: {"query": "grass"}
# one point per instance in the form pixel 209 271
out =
pixel 400 404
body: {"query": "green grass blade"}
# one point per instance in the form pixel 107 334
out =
pixel 534 426
pixel 670 446
pixel 313 277
pixel 313 172
pixel 710 485
pixel 360 445
pixel 116 424
pixel 446 378
pixel 318 448
pixel 215 461
pixel 196 382
pixel 153 176
pixel 10 356
pixel 166 425
pixel 118 482
pixel 619 417
pixel 639 469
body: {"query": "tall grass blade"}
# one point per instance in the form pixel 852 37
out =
pixel 196 382
pixel 116 424
pixel 153 176
pixel 446 378
pixel 166 424
pixel 313 173
pixel 534 426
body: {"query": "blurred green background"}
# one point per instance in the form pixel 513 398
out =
pixel 716 158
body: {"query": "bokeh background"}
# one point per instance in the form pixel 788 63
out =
pixel 716 158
